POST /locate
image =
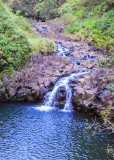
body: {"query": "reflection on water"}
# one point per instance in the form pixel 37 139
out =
pixel 27 133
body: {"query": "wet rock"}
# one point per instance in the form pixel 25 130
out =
pixel 80 92
pixel 40 30
pixel 12 92
pixel 35 90
pixel 20 91
pixel 3 96
pixel 47 83
pixel 30 98
pixel 60 98
pixel 61 94
pixel 40 80
pixel 90 94
pixel 87 103
pixel 59 104
pixel 43 91
pixel 53 81
pixel 59 30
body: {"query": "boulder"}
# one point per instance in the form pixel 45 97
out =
pixel 43 91
pixel 12 92
pixel 89 63
pixel 61 94
pixel 40 80
pixel 47 83
pixel 81 81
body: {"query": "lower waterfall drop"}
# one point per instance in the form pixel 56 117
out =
pixel 49 103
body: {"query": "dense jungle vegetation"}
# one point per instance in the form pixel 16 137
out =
pixel 18 40
pixel 84 19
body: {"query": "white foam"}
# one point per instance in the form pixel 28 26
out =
pixel 45 108
pixel 62 51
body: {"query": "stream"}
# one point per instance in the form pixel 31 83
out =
pixel 45 132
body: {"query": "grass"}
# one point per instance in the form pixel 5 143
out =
pixel 42 45
pixel 94 22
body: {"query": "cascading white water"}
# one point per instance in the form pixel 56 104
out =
pixel 51 96
pixel 63 82
pixel 63 51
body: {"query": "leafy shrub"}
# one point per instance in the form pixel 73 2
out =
pixel 38 9
pixel 46 46
pixel 42 45
pixel 17 40
pixel 93 19
pixel 13 42
pixel 106 63
pixel 47 10
pixel 24 6
pixel 96 2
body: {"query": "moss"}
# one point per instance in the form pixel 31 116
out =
pixel 103 113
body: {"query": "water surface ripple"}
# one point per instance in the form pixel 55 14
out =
pixel 29 134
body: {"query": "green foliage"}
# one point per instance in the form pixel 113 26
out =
pixel 103 113
pixel 25 6
pixel 13 42
pixel 110 151
pixel 38 9
pixel 17 40
pixel 46 46
pixel 42 45
pixel 108 62
pixel 93 19
pixel 47 10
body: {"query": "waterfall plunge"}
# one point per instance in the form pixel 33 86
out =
pixel 51 96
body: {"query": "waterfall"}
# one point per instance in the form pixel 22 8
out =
pixel 64 82
pixel 50 99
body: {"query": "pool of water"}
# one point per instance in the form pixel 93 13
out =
pixel 28 133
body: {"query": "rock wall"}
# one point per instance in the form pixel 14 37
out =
pixel 94 92
pixel 34 80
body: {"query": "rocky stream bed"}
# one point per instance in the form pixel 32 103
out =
pixel 91 92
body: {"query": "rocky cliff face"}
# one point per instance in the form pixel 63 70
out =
pixel 35 80
pixel 94 92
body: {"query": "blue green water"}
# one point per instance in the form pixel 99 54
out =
pixel 27 133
